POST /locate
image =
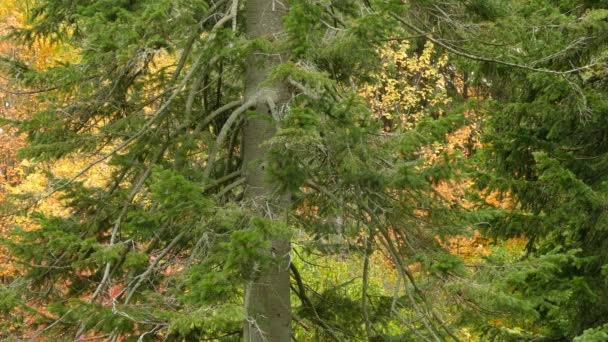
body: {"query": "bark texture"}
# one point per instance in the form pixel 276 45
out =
pixel 267 301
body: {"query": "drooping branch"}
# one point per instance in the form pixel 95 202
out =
pixel 308 303
pixel 364 285
pixel 487 59
pixel 224 133
pixel 140 278
pixel 158 114
pixel 136 189
pixel 219 111
pixel 406 274
pixel 426 314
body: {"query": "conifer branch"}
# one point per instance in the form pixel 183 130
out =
pixel 136 189
pixel 487 59
pixel 426 316
pixel 231 186
pixel 429 312
pixel 192 94
pixel 184 56
pixel 155 117
pixel 231 146
pixel 106 274
pixel 219 111
pixel 140 278
pixel 233 11
pixel 27 92
pixel 221 180
pixel 405 273
pixel 225 19
pixel 364 285
pixel 409 324
pixel 308 303
pixel 306 91
pixel 193 254
pixel 224 133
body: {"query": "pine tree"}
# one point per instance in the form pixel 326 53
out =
pixel 231 129
pixel 267 296
pixel 544 149
pixel 220 122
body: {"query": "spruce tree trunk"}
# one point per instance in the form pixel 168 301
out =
pixel 267 301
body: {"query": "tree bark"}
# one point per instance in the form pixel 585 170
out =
pixel 267 298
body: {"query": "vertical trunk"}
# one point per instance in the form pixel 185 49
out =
pixel 267 302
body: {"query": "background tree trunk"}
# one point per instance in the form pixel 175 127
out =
pixel 267 301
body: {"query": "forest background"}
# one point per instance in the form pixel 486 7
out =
pixel 310 170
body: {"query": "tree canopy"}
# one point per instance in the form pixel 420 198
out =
pixel 272 170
